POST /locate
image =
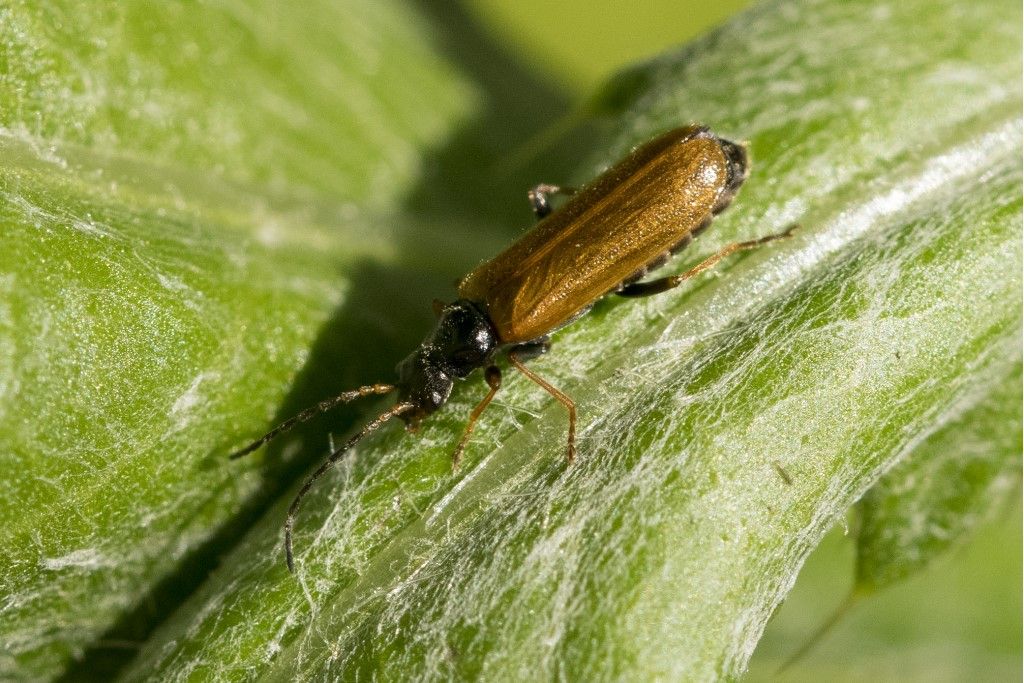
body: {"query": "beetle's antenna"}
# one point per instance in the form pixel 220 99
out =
pixel 333 458
pixel 312 412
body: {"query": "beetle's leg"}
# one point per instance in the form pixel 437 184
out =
pixel 534 348
pixel 539 197
pixel 492 375
pixel 570 453
pixel 638 289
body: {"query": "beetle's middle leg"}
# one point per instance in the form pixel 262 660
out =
pixel 539 194
pixel 638 289
pixel 570 405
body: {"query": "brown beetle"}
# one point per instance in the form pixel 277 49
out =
pixel 631 219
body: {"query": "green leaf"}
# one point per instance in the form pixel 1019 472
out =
pixel 664 551
pixel 958 619
pixel 186 196
pixel 173 311
pixel 951 483
pixel 259 93
pixel 936 496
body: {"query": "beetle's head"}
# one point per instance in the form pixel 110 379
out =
pixel 737 169
pixel 462 341
pixel 739 164
pixel 422 383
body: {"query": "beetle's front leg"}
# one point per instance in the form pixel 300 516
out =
pixel 492 375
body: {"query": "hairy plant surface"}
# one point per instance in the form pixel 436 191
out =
pixel 214 215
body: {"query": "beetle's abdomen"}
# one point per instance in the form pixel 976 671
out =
pixel 630 216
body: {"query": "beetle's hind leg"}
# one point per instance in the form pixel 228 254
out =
pixel 539 194
pixel 639 289
pixel 492 375
pixel 515 358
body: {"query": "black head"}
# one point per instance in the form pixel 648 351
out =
pixel 423 384
pixel 462 341
pixel 738 168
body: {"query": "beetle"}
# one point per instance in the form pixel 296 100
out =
pixel 605 238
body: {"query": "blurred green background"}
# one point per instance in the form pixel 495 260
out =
pixel 579 46
pixel 959 619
